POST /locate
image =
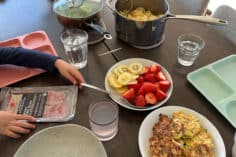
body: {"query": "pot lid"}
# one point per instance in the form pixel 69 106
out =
pixel 77 8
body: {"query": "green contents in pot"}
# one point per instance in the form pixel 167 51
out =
pixel 87 9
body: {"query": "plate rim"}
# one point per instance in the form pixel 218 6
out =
pixel 60 126
pixel 189 110
pixel 135 60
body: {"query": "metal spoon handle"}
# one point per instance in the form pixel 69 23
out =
pixel 110 93
pixel 94 87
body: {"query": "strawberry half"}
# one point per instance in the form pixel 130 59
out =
pixel 151 98
pixel 147 70
pixel 155 68
pixel 164 85
pixel 140 101
pixel 157 85
pixel 160 76
pixel 160 95
pixel 149 78
pixel 136 86
pixel 140 79
pixel 146 88
pixel 129 94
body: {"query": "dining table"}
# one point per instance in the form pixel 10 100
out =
pixel 22 17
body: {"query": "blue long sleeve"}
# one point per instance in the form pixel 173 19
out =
pixel 27 58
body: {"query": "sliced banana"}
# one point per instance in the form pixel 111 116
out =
pixel 121 69
pixel 112 76
pixel 114 83
pixel 125 78
pixel 135 77
pixel 136 68
pixel 122 89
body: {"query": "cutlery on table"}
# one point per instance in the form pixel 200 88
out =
pixel 109 52
pixel 111 93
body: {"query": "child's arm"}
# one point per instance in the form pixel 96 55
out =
pixel 27 58
pixel 37 59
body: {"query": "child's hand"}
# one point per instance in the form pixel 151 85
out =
pixel 13 125
pixel 69 72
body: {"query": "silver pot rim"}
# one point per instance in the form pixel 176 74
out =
pixel 166 14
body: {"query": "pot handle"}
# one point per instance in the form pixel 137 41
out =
pixel 203 19
pixel 109 5
pixel 98 28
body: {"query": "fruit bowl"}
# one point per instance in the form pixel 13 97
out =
pixel 145 63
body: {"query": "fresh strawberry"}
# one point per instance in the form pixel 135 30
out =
pixel 164 85
pixel 141 90
pixel 135 86
pixel 147 70
pixel 151 98
pixel 158 67
pixel 160 95
pixel 129 94
pixel 157 85
pixel 149 78
pixel 160 76
pixel 155 68
pixel 140 101
pixel 147 87
pixel 140 79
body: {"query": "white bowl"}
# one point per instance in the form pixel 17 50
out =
pixel 145 62
pixel 145 131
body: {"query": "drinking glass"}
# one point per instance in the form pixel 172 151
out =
pixel 189 47
pixel 103 119
pixel 76 46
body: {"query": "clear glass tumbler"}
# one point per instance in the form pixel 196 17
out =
pixel 76 46
pixel 103 119
pixel 189 47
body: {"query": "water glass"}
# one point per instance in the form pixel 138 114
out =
pixel 76 46
pixel 189 47
pixel 103 119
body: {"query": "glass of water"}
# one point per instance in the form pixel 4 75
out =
pixel 103 119
pixel 189 47
pixel 76 46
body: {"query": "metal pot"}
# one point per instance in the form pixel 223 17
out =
pixel 147 33
pixel 80 13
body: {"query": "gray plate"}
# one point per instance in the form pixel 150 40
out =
pixel 62 141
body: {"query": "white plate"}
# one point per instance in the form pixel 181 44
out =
pixel 145 62
pixel 62 141
pixel 145 131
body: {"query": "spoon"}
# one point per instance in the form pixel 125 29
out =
pixel 113 94
pixel 76 3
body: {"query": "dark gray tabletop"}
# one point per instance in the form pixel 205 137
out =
pixel 20 17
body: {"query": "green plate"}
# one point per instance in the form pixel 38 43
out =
pixel 217 82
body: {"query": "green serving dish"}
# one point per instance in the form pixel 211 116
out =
pixel 217 82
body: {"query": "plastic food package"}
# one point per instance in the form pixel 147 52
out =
pixel 46 104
